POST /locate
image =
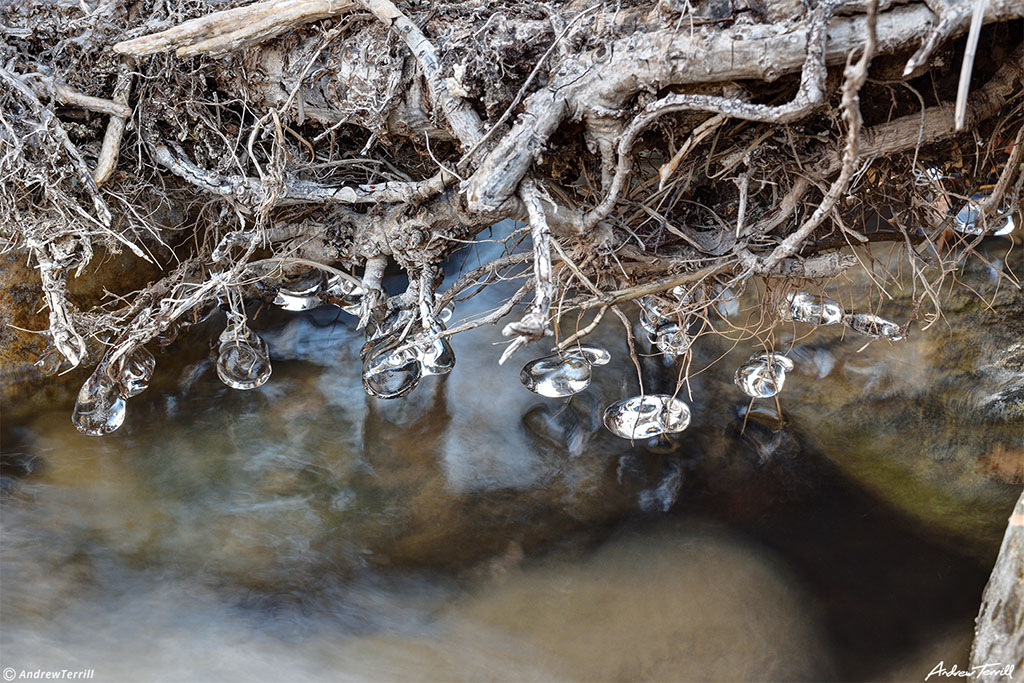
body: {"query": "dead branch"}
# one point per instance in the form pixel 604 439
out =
pixel 596 82
pixel 810 95
pixel 856 75
pixel 107 160
pixel 234 29
pixel 534 324
pixel 818 268
pixel 464 121
pixel 53 273
pixel 70 96
pixel 249 192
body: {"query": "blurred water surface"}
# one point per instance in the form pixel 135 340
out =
pixel 477 531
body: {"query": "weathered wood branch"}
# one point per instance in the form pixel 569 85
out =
pixel 855 77
pixel 465 122
pixel 100 105
pixel 810 95
pixel 234 29
pixel 107 161
pixel 607 78
pixel 999 628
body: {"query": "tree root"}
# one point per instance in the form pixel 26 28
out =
pixel 322 146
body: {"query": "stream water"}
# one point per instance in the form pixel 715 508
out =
pixel 303 531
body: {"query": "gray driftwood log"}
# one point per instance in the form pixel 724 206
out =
pixel 999 629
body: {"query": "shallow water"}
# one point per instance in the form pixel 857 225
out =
pixel 478 531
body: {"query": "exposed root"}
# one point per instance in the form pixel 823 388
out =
pixel 534 324
pixel 356 137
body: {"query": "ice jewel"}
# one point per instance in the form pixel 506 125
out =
pixel 763 375
pixel 641 417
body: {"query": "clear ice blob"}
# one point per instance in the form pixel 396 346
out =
pixel 642 417
pixel 134 371
pixel 653 313
pixel 594 355
pixel 969 219
pixel 49 361
pixel 763 375
pixel 556 377
pixel 807 308
pixel 436 357
pixel 301 294
pixel 672 339
pixel 445 313
pixel 389 372
pixel 728 304
pixel 873 326
pixel 681 293
pixel 167 336
pixel 100 408
pixel 345 294
pixel 244 359
pixel 662 323
pixel 1006 226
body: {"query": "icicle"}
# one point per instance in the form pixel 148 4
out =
pixel 556 377
pixel 301 294
pixel 134 371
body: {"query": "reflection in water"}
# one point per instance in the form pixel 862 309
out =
pixel 687 602
pixel 475 530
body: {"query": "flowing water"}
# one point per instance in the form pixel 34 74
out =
pixel 475 530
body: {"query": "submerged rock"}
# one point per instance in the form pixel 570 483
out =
pixel 999 639
pixel 685 603
pixel 933 425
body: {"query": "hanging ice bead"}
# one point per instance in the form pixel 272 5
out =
pixel 672 339
pixel 100 408
pixel 1007 225
pixel 969 219
pixel 807 308
pixel 49 361
pixel 556 377
pixel 594 355
pixel 167 336
pixel 244 359
pixel 681 293
pixel 653 313
pixel 671 336
pixel 389 372
pixel 763 375
pixel 436 357
pixel 642 417
pixel 345 294
pixel 445 313
pixel 134 371
pixel 301 294
pixel 873 326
